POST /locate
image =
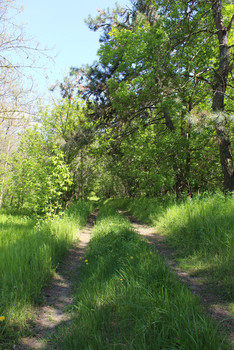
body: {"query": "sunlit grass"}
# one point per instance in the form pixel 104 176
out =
pixel 30 251
pixel 201 230
pixel 128 299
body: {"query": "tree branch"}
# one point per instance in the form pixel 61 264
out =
pixel 230 24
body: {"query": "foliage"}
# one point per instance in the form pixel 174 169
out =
pixel 149 160
pixel 40 175
pixel 63 119
pixel 157 65
pixel 149 123
pixel 157 107
pixel 67 125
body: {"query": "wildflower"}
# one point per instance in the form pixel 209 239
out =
pixel 121 279
pixel 87 263
pixel 131 257
pixel 86 260
pixel 2 318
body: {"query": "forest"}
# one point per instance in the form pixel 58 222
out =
pixel 148 128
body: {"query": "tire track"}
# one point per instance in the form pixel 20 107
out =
pixel 58 296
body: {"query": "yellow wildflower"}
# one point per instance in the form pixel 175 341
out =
pixel 87 263
pixel 2 318
pixel 131 257
pixel 86 260
pixel 121 279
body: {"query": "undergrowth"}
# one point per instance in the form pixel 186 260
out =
pixel 127 298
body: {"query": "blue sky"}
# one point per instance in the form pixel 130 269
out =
pixel 60 25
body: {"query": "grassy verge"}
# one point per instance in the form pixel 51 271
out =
pixel 29 253
pixel 202 232
pixel 128 299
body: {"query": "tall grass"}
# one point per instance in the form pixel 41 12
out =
pixel 201 230
pixel 128 299
pixel 29 253
pixel 145 209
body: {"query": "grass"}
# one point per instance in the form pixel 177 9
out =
pixel 30 251
pixel 145 209
pixel 127 297
pixel 201 230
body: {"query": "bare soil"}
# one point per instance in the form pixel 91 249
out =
pixel 213 303
pixel 58 296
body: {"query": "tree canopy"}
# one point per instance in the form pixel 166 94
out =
pixel 154 113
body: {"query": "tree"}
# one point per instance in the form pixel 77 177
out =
pixel 9 141
pixel 198 35
pixel 18 56
pixel 225 67
pixel 40 175
pixel 164 59
pixel 67 125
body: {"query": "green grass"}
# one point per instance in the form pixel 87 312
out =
pixel 30 251
pixel 145 209
pixel 201 230
pixel 128 299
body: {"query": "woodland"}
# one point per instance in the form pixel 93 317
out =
pixel 147 128
pixel 153 115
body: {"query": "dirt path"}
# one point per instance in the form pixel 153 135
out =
pixel 57 297
pixel 212 302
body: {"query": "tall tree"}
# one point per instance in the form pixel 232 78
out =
pixel 222 74
pixel 165 56
pixel 198 35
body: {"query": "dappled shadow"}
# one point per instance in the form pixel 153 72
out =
pixel 224 284
pixel 42 339
pixel 125 301
pixel 15 226
pixel 57 297
pixel 56 303
pixel 211 296
pixel 22 264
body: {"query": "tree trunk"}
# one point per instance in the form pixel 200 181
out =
pixel 177 166
pixel 219 90
pixel 1 196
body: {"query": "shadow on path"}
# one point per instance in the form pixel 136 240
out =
pixel 212 302
pixel 58 296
